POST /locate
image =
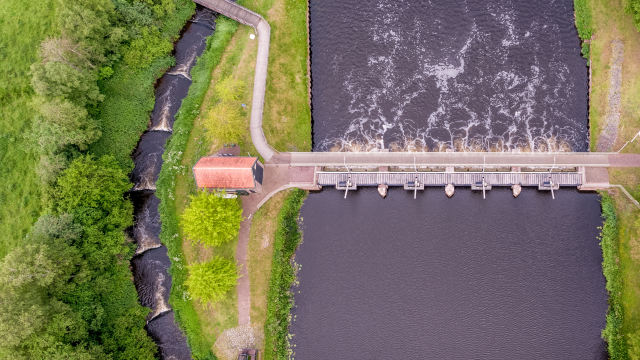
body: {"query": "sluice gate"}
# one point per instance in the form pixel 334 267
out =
pixel 444 178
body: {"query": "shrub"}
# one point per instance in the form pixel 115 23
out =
pixel 208 282
pixel 211 219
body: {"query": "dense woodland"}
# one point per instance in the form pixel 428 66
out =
pixel 65 287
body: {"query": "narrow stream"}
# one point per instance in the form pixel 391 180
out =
pixel 151 262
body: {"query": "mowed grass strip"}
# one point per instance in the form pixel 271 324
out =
pixel 23 25
pixel 237 61
pixel 610 23
pixel 261 239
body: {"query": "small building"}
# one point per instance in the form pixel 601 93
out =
pixel 241 175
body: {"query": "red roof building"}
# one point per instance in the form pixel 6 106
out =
pixel 235 174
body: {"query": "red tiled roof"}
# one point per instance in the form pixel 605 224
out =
pixel 225 172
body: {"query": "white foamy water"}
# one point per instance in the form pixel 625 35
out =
pixel 474 76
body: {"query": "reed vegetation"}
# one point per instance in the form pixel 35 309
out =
pixel 583 24
pixel 283 274
pixel 610 244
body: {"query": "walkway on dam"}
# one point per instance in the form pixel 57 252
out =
pixel 476 159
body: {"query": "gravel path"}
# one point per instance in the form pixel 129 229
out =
pixel 612 115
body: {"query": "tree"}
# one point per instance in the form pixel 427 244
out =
pixel 226 123
pixel 208 282
pixel 28 276
pixel 54 79
pixel 230 89
pixel 64 123
pixel 87 22
pixel 212 219
pixel 50 166
pixel 55 227
pixel 92 191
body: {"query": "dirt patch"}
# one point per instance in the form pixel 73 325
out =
pixel 613 111
pixel 260 252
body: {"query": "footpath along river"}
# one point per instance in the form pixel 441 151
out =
pixel 440 278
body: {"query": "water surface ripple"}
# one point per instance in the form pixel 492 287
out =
pixel 460 278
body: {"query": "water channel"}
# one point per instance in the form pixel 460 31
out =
pixel 440 278
pixel 151 262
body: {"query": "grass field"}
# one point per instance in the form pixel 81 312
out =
pixel 23 25
pixel 610 23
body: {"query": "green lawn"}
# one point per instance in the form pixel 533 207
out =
pixel 23 25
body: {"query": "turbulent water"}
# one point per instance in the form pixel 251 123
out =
pixel 460 278
pixel 431 75
pixel 151 263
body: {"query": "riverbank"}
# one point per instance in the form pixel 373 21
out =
pixel 287 124
pixel 614 48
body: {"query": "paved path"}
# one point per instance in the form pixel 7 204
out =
pixel 458 159
pixel 276 178
pixel 257 22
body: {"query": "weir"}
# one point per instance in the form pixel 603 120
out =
pixel 414 171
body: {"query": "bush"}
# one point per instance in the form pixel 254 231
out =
pixel 583 24
pixel 208 282
pixel 632 7
pixel 211 219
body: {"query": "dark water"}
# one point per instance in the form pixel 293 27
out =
pixel 429 75
pixel 459 278
pixel 151 264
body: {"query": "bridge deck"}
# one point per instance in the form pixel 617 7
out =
pixel 565 159
pixel 443 178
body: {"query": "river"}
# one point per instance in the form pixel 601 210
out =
pixel 151 263
pixel 440 278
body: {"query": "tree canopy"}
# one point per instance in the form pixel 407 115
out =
pixel 209 281
pixel 226 120
pixel 67 293
pixel 212 219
